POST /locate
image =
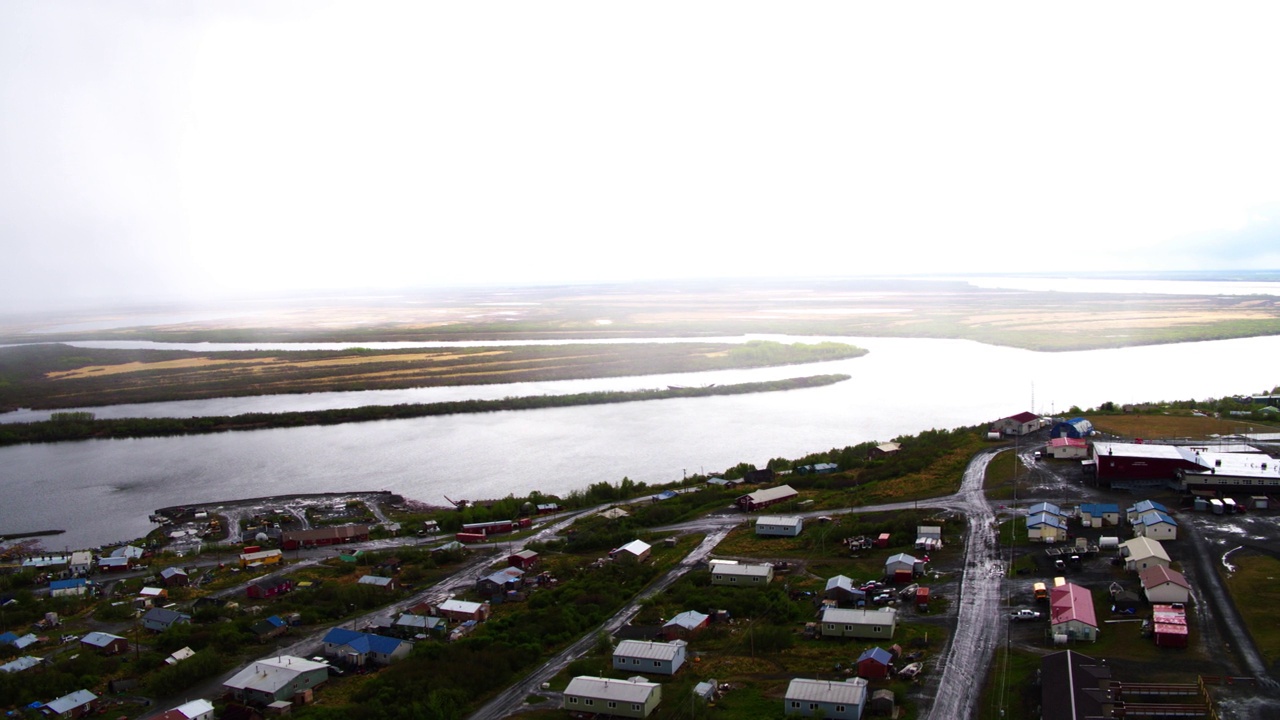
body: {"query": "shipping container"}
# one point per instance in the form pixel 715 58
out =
pixel 470 538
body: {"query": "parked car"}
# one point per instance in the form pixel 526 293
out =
pixel 1025 614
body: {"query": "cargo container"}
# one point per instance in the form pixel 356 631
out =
pixel 470 538
pixel 922 599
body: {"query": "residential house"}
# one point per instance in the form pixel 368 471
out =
pixel 617 698
pixel 269 628
pixel 81 562
pixel 637 550
pixel 357 649
pixel 114 564
pixel 1141 553
pixel 826 698
pixel 17 642
pixel 1156 525
pixel 1162 585
pixel 1099 514
pixel 268 587
pixel 462 610
pixel 842 590
pixel 1024 423
pixel 875 664
pixel 525 560
pixel 500 582
pixel 80 703
pixel 866 624
pixel 685 625
pixel 740 574
pixel 643 656
pixel 1071 612
pixel 409 625
pixel 161 619
pixel 383 583
pixel 104 643
pixel 174 577
pixel 149 596
pixel 68 588
pixel 1141 508
pixel 26 662
pixel 194 710
pixel 764 498
pixel 1046 527
pixel 278 678
pixel 1068 448
pixel 177 656
pixel 884 450
pixel 779 525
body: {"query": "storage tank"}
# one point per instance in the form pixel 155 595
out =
pixel 1108 542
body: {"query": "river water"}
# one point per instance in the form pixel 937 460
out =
pixel 102 491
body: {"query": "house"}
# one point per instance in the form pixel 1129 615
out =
pixel 114 564
pixel 26 662
pixel 525 559
pixel 1046 527
pixel 826 698
pixel 148 597
pixel 741 574
pixel 1046 507
pixel 1156 525
pixel 78 704
pixel 174 577
pixel 411 626
pixel 1100 514
pixel 1065 448
pixel 179 655
pixel 1071 613
pixel 1074 428
pixel 278 678
pixel 19 643
pixel 1141 553
pixel 104 643
pixel 357 649
pixel 335 535
pixel 268 587
pixel 1162 585
pixel 500 582
pixel 884 450
pixel 874 664
pixel 261 557
pixel 841 589
pixel 782 526
pixel 865 624
pixel 81 562
pixel 383 583
pixel 462 610
pixel 269 628
pixel 68 588
pixel 548 508
pixel 637 550
pixel 643 656
pixel 1075 687
pixel 194 710
pixel 1141 508
pixel 902 567
pixel 1024 423
pixel 817 469
pixel 618 698
pixel 161 619
pixel 685 625
pixel 761 499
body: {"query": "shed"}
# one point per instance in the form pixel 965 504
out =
pixel 104 643
pixel 902 567
pixel 882 540
pixel 881 703
pixel 874 664
pixel 637 550
pixel 525 559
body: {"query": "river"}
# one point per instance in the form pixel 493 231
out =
pixel 102 491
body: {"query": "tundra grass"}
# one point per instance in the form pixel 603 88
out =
pixel 1154 427
pixel 1256 593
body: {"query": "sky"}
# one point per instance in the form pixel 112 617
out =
pixel 197 149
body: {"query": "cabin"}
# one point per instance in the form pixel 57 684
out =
pixel 1099 514
pixel 611 697
pixel 104 643
pixel 1024 423
pixel 161 619
pixel 80 703
pixel 462 610
pixel 1156 525
pixel 642 656
pixel 525 559
pixel 825 698
pixel 1046 528
pixel 636 550
pixel 865 624
pixel 382 583
pixel 761 499
pixel 174 577
pixel 500 582
pixel 268 587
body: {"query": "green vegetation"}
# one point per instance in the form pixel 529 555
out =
pixel 1255 582
pixel 57 431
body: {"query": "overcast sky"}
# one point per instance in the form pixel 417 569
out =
pixel 190 148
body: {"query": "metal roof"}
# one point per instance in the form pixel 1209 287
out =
pixel 271 674
pixel 1071 602
pixel 631 691
pixel 99 639
pixel 768 494
pixel 880 655
pixel 688 619
pixel 787 520
pixel 1144 547
pixel 1159 575
pixel 636 547
pixel 859 617
pixel 744 570
pixel 649 650
pixel 849 692
pixel 70 702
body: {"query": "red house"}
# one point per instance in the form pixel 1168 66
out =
pixel 269 587
pixel 319 537
pixel 525 559
pixel 874 664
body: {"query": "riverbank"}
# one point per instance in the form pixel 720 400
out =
pixel 82 426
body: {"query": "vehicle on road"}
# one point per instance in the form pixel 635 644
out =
pixel 1025 614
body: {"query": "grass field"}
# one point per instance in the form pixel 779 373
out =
pixel 1153 427
pixel 1256 591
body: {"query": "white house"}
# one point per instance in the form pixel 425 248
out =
pixel 603 696
pixel 784 526
pixel 1141 553
pixel 644 656
pixel 194 710
pixel 831 699
pixel 1162 585
pixel 741 574
pixel 635 550
pixel 866 624
pixel 277 678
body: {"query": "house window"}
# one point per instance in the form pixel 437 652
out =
pixel 612 704
pixel 795 704
pixel 635 661
pixel 875 628
pixel 813 706
pixel 573 700
pixel 839 708
pixel 635 706
pixel 733 579
pixel 657 663
pixel 588 701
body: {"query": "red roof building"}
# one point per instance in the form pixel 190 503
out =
pixel 1071 612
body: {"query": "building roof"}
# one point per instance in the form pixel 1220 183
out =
pixel 1059 442
pixel 850 692
pixel 67 584
pixel 362 642
pixel 1143 506
pixel 171 572
pixel 1100 508
pixel 636 547
pixel 375 580
pixel 1155 517
pixel 902 558
pixel 859 617
pixel 1141 548
pixel 70 702
pixel 164 616
pixel 880 655
pixel 779 520
pixel 689 619
pixel 782 492
pixel 631 691
pixel 649 650
pixel 128 551
pixel 26 662
pixel 270 674
pixel 743 570
pixel 185 711
pixel 889 447
pixel 1070 686
pixel 1046 519
pixel 462 606
pixel 525 555
pixel 1158 575
pixel 333 532
pixel 1071 602
pixel 842 582
pixel 1024 417
pixel 1045 507
pixel 99 639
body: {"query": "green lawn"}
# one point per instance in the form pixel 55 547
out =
pixel 1253 586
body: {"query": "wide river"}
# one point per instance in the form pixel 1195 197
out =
pixel 103 491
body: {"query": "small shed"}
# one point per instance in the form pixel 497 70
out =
pixel 174 577
pixel 525 559
pixel 637 550
pixel 903 567
pixel 881 703
pixel 874 664
pixel 882 540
